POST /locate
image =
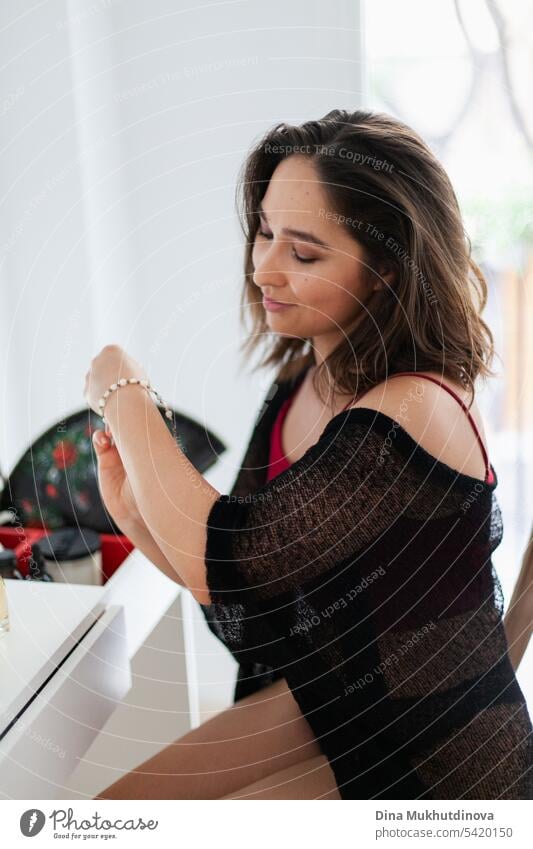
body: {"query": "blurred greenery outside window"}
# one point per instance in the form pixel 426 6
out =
pixel 460 77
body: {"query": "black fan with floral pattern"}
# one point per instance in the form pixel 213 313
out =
pixel 54 484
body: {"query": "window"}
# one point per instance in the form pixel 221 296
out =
pixel 458 74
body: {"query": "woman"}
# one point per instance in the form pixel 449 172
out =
pixel 354 583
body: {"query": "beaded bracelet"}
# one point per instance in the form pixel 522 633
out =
pixel 124 381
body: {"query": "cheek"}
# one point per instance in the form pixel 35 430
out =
pixel 323 288
pixel 335 293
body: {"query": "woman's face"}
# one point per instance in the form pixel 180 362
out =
pixel 304 258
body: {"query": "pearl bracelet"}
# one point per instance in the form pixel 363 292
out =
pixel 124 381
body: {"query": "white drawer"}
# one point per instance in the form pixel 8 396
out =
pixel 43 745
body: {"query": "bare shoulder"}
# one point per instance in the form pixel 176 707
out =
pixel 433 418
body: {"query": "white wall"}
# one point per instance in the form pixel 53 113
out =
pixel 124 125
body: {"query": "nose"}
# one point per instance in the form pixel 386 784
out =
pixel 268 270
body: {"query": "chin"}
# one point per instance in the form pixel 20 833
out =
pixel 278 323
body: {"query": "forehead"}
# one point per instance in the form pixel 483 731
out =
pixel 295 185
pixel 296 198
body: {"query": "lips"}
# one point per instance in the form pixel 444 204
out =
pixel 272 302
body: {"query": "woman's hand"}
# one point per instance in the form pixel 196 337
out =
pixel 119 501
pixel 173 497
pixel 109 366
pixel 113 483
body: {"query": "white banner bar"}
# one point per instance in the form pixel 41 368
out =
pixel 356 824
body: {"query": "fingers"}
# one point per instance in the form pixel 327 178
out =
pixel 102 441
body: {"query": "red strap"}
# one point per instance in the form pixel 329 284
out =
pixel 454 395
pixel 277 461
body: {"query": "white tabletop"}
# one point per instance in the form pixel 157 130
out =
pixel 47 620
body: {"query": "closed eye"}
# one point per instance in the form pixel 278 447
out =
pixel 296 256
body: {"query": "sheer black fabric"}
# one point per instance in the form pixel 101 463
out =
pixel 253 675
pixel 362 574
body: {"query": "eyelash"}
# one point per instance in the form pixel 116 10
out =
pixel 295 255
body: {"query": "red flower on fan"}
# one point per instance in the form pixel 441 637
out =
pixel 51 490
pixel 65 454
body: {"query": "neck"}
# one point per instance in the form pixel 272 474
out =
pixel 334 403
pixel 324 345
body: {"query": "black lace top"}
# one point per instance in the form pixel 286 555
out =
pixel 362 574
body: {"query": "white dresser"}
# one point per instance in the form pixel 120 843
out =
pixel 66 680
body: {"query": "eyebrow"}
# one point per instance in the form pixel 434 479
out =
pixel 298 234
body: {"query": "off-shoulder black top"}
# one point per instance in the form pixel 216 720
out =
pixel 362 574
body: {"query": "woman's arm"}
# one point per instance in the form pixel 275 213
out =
pixel 119 502
pixel 139 535
pixel 173 498
pixel 518 620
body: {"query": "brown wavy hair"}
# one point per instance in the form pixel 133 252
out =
pixel 375 169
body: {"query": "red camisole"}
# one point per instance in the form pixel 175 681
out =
pixel 278 461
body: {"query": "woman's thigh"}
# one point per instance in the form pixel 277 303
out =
pixel 310 779
pixel 261 734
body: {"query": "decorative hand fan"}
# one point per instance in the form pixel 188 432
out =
pixel 54 484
